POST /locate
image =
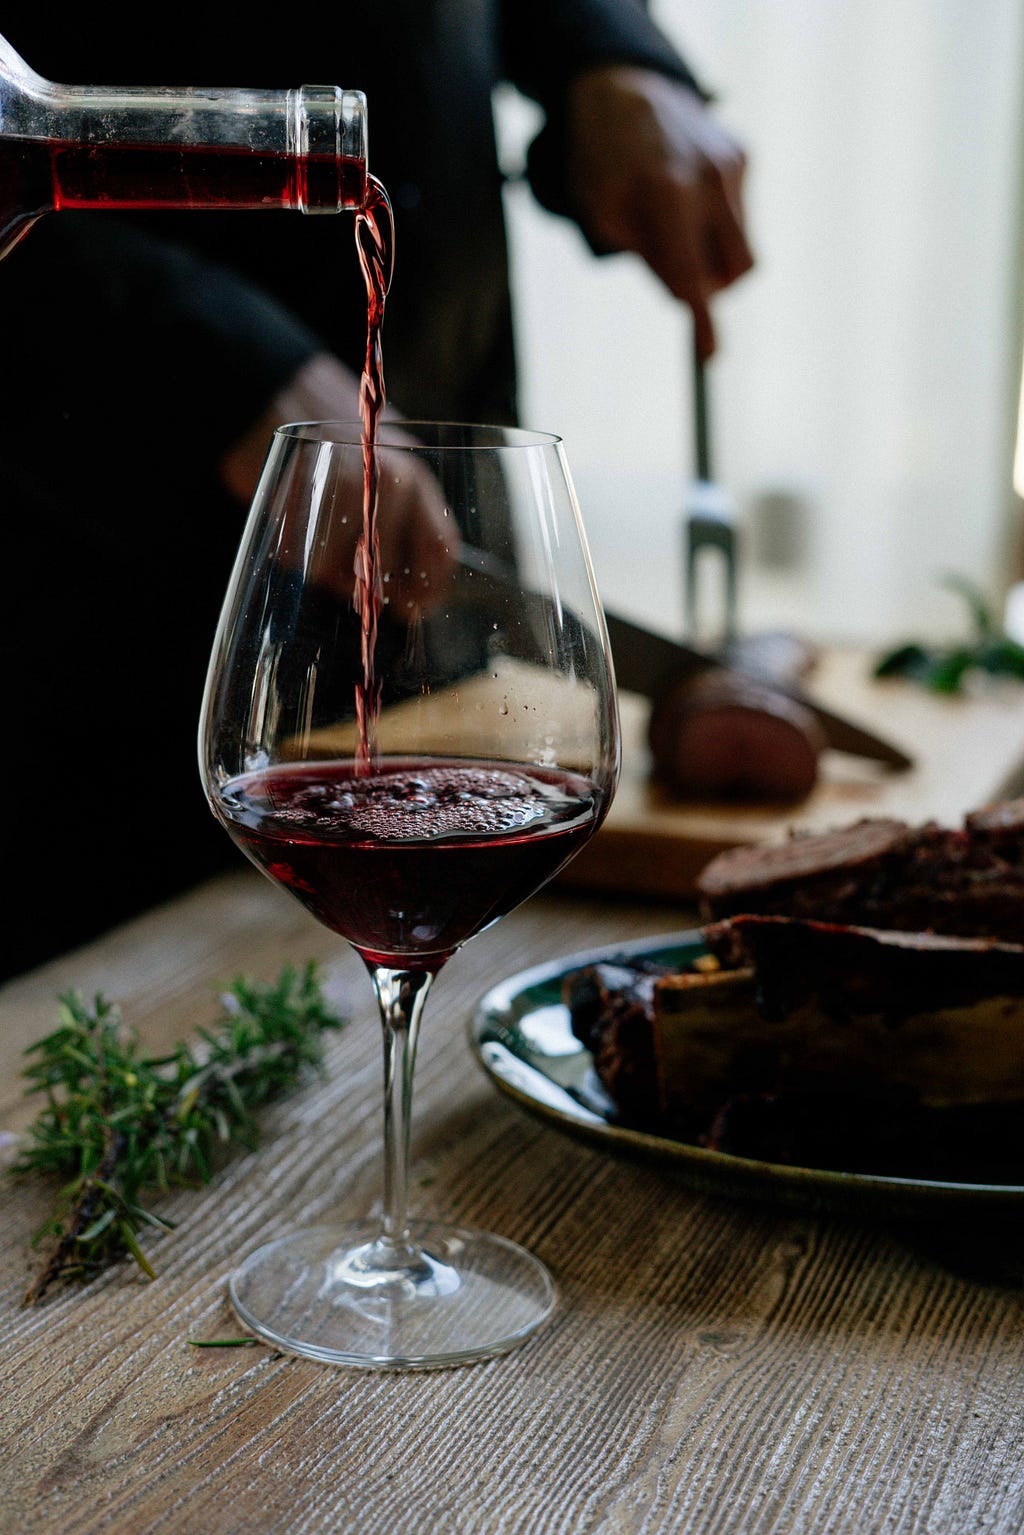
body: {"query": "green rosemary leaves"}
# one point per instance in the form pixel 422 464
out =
pixel 987 651
pixel 119 1126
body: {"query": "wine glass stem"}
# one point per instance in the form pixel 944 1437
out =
pixel 401 995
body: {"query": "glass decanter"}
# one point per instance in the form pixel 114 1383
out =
pixel 144 147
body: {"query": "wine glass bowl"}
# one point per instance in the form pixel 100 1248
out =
pixel 410 725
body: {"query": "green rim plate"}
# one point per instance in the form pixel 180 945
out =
pixel 520 1034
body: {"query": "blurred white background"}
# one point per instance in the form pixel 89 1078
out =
pixel 864 399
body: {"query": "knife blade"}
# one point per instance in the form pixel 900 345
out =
pixel 649 664
pixel 646 662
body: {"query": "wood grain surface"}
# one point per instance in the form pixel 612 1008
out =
pixel 712 1367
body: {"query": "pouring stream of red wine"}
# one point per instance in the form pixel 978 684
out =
pixel 375 243
pixel 370 849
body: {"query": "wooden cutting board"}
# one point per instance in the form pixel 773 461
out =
pixel 967 751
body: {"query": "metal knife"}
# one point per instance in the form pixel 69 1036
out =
pixel 645 662
pixel 649 664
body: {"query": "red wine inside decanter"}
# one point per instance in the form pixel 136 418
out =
pixel 26 187
pixel 37 175
pixel 197 176
pixel 413 858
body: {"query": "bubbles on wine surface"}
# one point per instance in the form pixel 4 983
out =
pixel 407 803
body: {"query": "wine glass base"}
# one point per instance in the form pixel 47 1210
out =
pixel 469 1295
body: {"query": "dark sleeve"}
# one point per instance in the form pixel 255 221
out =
pixel 108 325
pixel 546 43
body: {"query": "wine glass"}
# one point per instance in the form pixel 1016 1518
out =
pixel 410 725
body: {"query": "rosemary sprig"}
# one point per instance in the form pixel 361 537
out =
pixel 119 1126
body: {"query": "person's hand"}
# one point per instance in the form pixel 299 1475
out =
pixel 652 171
pixel 418 541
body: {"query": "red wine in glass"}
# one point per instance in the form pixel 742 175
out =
pixel 493 760
pixel 410 861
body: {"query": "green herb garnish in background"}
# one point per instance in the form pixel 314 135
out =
pixel 120 1126
pixel 943 669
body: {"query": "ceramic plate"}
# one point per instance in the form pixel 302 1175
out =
pixel 521 1035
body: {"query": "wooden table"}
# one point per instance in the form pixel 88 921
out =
pixel 711 1367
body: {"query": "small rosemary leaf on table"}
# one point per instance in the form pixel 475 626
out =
pixel 119 1126
pixel 223 1342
